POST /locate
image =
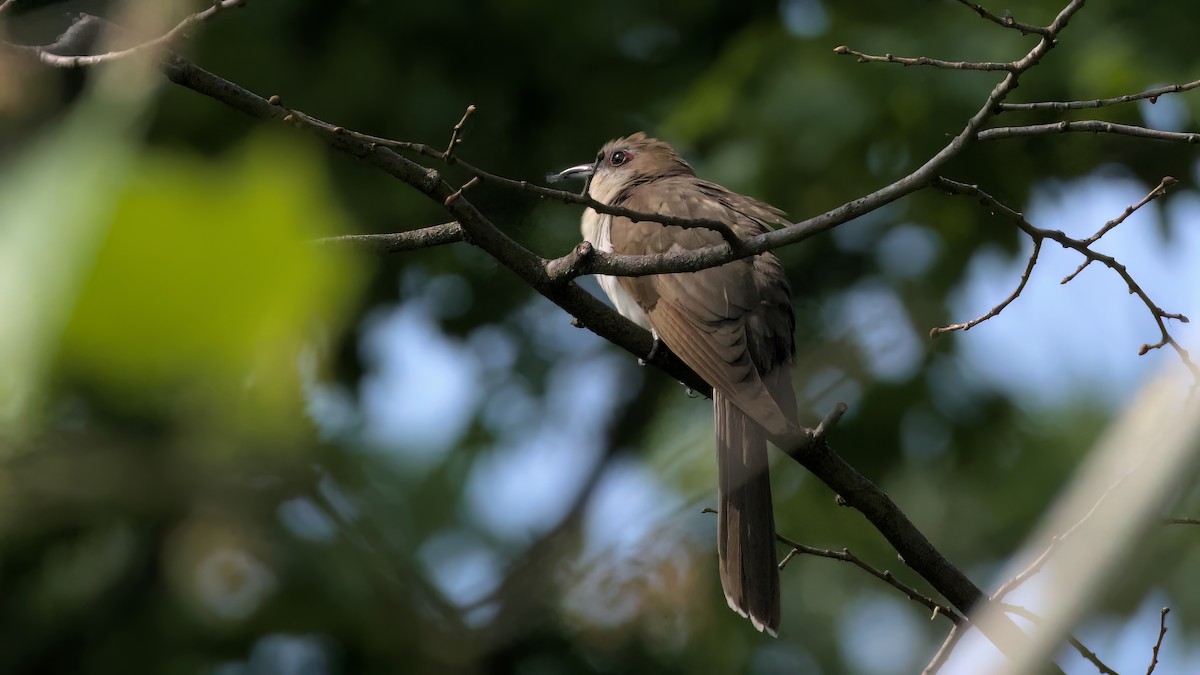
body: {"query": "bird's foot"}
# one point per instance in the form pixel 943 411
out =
pixel 653 352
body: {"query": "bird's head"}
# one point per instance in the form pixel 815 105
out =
pixel 624 163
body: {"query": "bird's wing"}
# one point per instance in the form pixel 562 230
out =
pixel 732 324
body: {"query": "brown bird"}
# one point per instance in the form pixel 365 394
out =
pixel 731 324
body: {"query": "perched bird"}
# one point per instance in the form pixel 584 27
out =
pixel 732 324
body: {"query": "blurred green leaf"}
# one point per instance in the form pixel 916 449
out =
pixel 209 284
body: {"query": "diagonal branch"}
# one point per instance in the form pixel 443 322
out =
pixel 995 311
pixel 885 576
pixel 48 56
pixel 1157 192
pixel 1006 21
pixel 1075 642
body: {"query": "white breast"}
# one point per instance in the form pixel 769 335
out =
pixel 597 229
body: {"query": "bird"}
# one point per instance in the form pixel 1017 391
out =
pixel 732 324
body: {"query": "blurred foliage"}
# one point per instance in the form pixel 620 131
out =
pixel 198 487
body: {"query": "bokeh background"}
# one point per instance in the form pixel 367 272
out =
pixel 226 450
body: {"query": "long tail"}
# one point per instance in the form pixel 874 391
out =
pixel 745 522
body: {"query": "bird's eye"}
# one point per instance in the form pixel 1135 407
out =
pixel 619 157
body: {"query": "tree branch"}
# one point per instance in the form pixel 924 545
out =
pixel 1006 21
pixel 995 311
pixel 48 55
pixel 1086 653
pixel 1159 191
pixel 1037 233
pixel 1151 94
pixel 1162 631
pixel 885 576
pixel 395 242
pixel 925 61
pixel 1088 126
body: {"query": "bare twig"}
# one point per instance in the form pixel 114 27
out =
pixel 1162 631
pixel 1151 94
pixel 394 242
pixel 1159 191
pixel 48 57
pixel 885 576
pixel 995 311
pixel 926 61
pixel 829 422
pixel 1075 642
pixel 1006 21
pixel 943 652
pixel 459 192
pixel 719 226
pixel 456 135
pixel 1160 316
pixel 1088 126
pixel 1036 566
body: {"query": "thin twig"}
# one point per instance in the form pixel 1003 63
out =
pixel 718 226
pixel 1088 126
pixel 1151 94
pixel 459 192
pixel 1006 21
pixel 885 576
pixel 1162 631
pixel 164 41
pixel 995 311
pixel 926 61
pixel 1183 521
pixel 829 422
pixel 1039 562
pixel 1159 191
pixel 1026 613
pixel 394 242
pixel 943 652
pixel 456 135
pixel 1160 316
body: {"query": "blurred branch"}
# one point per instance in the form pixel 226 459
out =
pixel 52 55
pixel 1086 653
pixel 925 61
pixel 1089 126
pixel 1183 521
pixel 1006 21
pixel 1151 94
pixel 395 242
pixel 1162 631
pixel 947 648
pixel 1036 233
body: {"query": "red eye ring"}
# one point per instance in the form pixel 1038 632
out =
pixel 619 157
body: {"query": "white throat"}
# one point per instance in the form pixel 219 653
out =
pixel 597 229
